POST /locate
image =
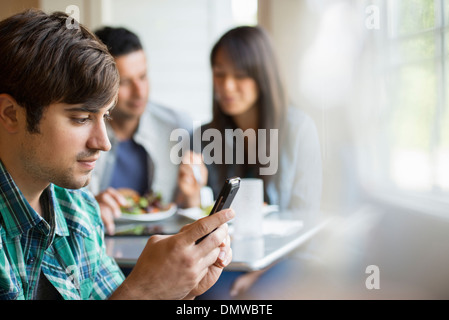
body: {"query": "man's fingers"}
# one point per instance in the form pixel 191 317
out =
pixel 108 199
pixel 225 254
pixel 108 219
pixel 206 225
pixel 219 256
pixel 117 196
pixel 187 158
pixel 224 258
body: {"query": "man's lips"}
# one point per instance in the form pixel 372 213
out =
pixel 137 104
pixel 88 163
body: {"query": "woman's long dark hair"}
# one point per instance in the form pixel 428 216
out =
pixel 251 51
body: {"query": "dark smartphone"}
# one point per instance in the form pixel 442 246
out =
pixel 224 199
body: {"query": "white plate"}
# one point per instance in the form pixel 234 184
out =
pixel 161 215
pixel 197 213
pixel 194 213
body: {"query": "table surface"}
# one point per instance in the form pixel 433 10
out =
pixel 280 237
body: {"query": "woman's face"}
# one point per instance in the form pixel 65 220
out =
pixel 235 91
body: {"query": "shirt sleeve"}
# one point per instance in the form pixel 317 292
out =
pixel 109 276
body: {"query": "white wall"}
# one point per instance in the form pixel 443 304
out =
pixel 177 36
pixel 91 12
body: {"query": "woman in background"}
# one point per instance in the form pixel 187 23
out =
pixel 248 94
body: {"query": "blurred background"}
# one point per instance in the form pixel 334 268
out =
pixel 373 74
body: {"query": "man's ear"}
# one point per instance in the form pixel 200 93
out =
pixel 9 110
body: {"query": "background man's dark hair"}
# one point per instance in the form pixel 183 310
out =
pixel 120 41
pixel 44 62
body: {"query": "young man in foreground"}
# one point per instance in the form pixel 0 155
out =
pixel 57 87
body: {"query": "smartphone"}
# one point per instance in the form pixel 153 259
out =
pixel 224 199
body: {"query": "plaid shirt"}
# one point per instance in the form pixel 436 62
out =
pixel 70 250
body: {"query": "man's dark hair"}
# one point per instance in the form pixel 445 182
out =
pixel 44 62
pixel 120 41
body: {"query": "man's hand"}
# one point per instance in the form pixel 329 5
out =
pixel 214 272
pixel 110 201
pixel 174 267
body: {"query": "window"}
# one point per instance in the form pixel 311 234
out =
pixel 417 106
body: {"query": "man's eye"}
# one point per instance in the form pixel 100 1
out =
pixel 80 120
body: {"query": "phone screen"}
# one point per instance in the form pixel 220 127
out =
pixel 227 194
pixel 224 199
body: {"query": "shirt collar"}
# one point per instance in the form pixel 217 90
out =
pixel 17 214
pixel 60 221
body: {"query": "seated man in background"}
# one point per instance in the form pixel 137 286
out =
pixel 139 132
pixel 57 87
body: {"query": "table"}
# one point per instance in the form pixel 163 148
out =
pixel 281 237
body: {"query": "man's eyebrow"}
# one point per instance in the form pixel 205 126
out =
pixel 81 109
pixel 84 108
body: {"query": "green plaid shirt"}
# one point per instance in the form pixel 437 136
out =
pixel 70 251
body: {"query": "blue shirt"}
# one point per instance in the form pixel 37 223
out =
pixel 131 167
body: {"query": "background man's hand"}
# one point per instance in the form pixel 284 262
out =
pixel 192 176
pixel 110 201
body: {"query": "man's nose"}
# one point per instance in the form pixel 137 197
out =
pixel 99 138
pixel 139 87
